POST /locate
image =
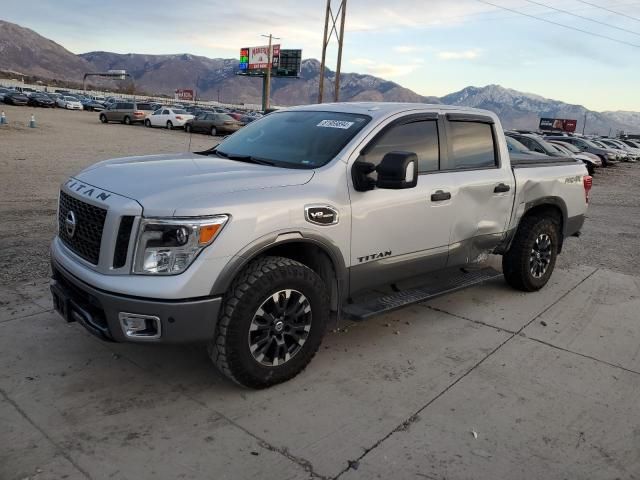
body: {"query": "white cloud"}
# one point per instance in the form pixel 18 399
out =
pixel 385 70
pixel 459 55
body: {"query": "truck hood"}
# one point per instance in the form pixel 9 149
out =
pixel 164 183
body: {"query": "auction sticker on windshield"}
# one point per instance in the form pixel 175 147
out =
pixel 335 124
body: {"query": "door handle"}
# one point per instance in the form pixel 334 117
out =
pixel 440 196
pixel 501 188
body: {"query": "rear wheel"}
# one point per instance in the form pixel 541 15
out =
pixel 127 120
pixel 530 261
pixel 214 131
pixel 169 125
pixel 103 118
pixel 271 324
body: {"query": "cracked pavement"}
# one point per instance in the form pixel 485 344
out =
pixel 549 381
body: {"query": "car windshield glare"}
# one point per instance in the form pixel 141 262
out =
pixel 296 139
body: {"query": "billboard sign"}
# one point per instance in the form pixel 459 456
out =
pixel 558 124
pixel 257 58
pixel 183 94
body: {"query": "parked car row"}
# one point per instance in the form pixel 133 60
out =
pixel 593 152
pixel 194 118
pixel 62 99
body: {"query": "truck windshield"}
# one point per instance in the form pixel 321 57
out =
pixel 295 139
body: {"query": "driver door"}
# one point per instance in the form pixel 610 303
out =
pixel 398 234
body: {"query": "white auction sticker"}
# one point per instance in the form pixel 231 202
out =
pixel 335 124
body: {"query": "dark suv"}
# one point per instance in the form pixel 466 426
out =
pixel 126 112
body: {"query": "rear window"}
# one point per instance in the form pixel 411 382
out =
pixel 224 117
pixel 472 145
pixel 179 111
pixel 144 106
pixel 127 106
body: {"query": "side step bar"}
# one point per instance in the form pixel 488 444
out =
pixel 388 303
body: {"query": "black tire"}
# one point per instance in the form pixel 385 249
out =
pixel 147 123
pixel 213 131
pixel 187 128
pixel 256 285
pixel 103 118
pixel 169 125
pixel 126 120
pixel 520 266
pixel 590 169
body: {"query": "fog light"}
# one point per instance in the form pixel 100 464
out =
pixel 142 327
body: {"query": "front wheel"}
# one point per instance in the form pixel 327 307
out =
pixel 147 123
pixel 214 131
pixel 530 261
pixel 271 324
pixel 187 128
pixel 103 118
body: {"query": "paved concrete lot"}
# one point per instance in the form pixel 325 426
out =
pixel 488 383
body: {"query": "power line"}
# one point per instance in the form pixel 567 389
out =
pixel 609 10
pixel 560 24
pixel 583 17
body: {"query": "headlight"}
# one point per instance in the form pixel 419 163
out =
pixel 168 246
pixel 611 155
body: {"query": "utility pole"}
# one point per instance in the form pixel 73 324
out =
pixel 267 80
pixel 338 31
pixel 584 125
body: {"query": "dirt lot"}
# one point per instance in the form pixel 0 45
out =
pixel 33 163
pixel 486 383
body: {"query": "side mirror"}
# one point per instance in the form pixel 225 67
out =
pixel 398 170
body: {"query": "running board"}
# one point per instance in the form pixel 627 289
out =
pixel 388 303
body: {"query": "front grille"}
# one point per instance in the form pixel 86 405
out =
pixel 88 231
pixel 122 242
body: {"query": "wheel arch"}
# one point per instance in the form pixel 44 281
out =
pixel 544 206
pixel 308 248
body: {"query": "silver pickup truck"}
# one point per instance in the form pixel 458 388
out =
pixel 252 246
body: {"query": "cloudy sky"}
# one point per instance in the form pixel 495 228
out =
pixel 434 47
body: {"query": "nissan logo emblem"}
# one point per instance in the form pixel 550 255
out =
pixel 70 223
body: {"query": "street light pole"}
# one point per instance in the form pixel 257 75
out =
pixel 267 80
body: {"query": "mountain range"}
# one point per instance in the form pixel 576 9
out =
pixel 24 52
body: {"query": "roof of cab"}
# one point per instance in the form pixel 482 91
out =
pixel 384 109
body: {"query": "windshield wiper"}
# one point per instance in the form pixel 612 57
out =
pixel 243 158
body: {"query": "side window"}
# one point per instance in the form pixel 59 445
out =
pixel 471 145
pixel 419 137
pixel 165 112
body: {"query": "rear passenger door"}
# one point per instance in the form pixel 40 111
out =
pixel 483 187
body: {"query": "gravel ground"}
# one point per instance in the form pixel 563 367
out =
pixel 33 163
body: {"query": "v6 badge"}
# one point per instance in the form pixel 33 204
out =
pixel 321 214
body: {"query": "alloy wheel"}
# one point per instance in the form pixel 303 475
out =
pixel 280 328
pixel 540 257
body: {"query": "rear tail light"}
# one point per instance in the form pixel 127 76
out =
pixel 138 114
pixel 178 117
pixel 587 181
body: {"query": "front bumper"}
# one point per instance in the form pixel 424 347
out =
pixel 181 321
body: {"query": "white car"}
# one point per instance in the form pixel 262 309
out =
pixel 70 103
pixel 168 117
